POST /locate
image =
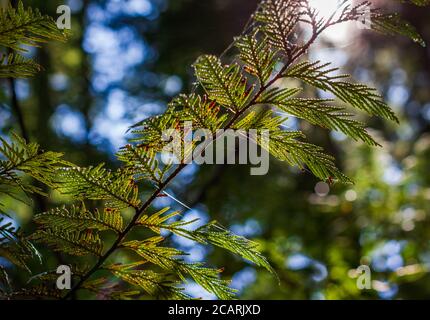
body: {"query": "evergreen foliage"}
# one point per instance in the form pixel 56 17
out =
pixel 228 96
pixel 21 27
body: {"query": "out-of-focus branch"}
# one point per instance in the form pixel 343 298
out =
pixel 14 98
pixel 16 108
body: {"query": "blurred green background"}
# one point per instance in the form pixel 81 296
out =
pixel 126 58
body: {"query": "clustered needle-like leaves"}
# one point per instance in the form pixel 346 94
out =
pixel 393 24
pixel 257 54
pixel 224 84
pixel 14 65
pixel 320 112
pixel 19 162
pixel 356 95
pixel 14 247
pixel 117 188
pixel 76 231
pixel 75 243
pixel 20 27
pixel 211 233
pixel 279 20
pixel 157 285
pixel 81 219
pixel 201 111
pixel 170 259
pixel 26 26
pixel 150 132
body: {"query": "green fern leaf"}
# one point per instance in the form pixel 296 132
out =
pixel 17 66
pixel 71 242
pixel 149 133
pixel 157 285
pixel 223 84
pixel 143 162
pixel 393 24
pixel 359 96
pixel 280 19
pixel 208 234
pixel 118 188
pixel 80 219
pixel 37 292
pixel 258 56
pixel 317 112
pixel 15 247
pixel 168 259
pixel 26 27
pixel 29 159
pixel 285 147
pixel 203 112
pixel 220 237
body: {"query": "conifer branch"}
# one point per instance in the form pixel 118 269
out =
pixel 226 86
pixel 235 88
pixel 126 231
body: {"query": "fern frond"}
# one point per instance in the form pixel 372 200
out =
pixel 203 112
pixel 26 27
pixel 29 159
pixel 285 146
pixel 149 132
pixel 143 162
pixel 218 236
pixel 169 259
pixel 17 66
pixel 37 292
pixel 158 285
pixel 76 231
pixel 159 220
pixel 75 243
pixel 280 19
pixel 160 256
pixel 211 233
pixel 224 84
pixel 260 120
pixel 393 24
pixel 80 219
pixel 258 56
pixel 15 247
pixel 117 188
pixel 277 95
pixel 317 112
pixel 359 96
